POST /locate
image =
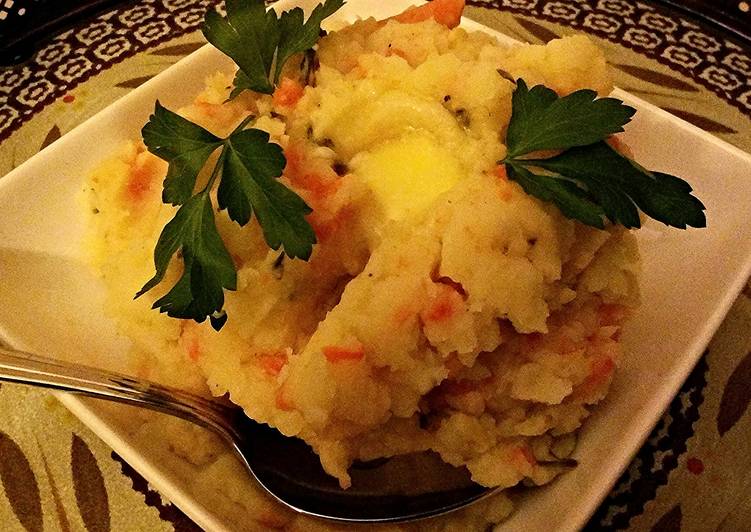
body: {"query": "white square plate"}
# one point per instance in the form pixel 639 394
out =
pixel 52 305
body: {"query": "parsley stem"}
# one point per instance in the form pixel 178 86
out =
pixel 215 172
pixel 244 123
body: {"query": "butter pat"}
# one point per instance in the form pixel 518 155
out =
pixel 406 174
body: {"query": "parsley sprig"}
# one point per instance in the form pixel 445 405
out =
pixel 247 167
pixel 589 180
pixel 260 42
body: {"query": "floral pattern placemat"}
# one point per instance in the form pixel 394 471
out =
pixel 691 474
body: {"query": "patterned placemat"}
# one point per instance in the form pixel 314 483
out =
pixel 690 475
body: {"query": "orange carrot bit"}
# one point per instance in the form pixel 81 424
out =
pixel 445 12
pixel 338 353
pixel 287 93
pixel 505 191
pixel 611 314
pixel 194 349
pixel 295 155
pixel 441 310
pixel 320 186
pixel 272 363
pixel 142 177
pixel 500 172
pixel 325 227
pixel 600 370
pixel 404 314
pixel 281 400
pixel 189 341
pixel 525 453
pixel 443 304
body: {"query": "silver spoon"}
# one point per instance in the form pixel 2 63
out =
pixel 404 488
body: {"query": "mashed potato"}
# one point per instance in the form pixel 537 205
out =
pixel 443 308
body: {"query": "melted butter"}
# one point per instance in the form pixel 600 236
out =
pixel 408 173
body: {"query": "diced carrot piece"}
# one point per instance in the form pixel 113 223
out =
pixel 338 353
pixel 273 363
pixel 143 174
pixel 287 93
pixel 404 313
pixel 526 453
pixel 318 185
pixel 443 304
pixel 505 191
pixel 325 228
pixel 440 311
pixel 445 12
pixel 500 172
pixel 294 155
pixel 282 401
pixel 194 349
pixel 601 368
pixel 189 342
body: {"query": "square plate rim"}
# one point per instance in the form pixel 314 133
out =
pixel 195 509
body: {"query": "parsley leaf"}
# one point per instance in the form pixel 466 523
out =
pixel 297 36
pixel 184 145
pixel 247 168
pixel 248 184
pixel 589 179
pixel 571 200
pixel 540 120
pixel 260 43
pixel 248 36
pixel 208 266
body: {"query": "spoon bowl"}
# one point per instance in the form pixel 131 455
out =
pixel 403 488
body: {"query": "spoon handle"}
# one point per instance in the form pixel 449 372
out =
pixel 25 368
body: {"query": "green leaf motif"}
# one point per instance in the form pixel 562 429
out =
pixel 736 396
pixel 656 78
pixel 542 33
pixel 20 485
pixel 178 50
pixel 133 83
pixel 703 122
pixel 184 145
pixel 670 521
pixel 543 121
pixel 52 135
pixel 89 487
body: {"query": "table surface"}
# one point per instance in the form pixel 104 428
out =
pixel 691 474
